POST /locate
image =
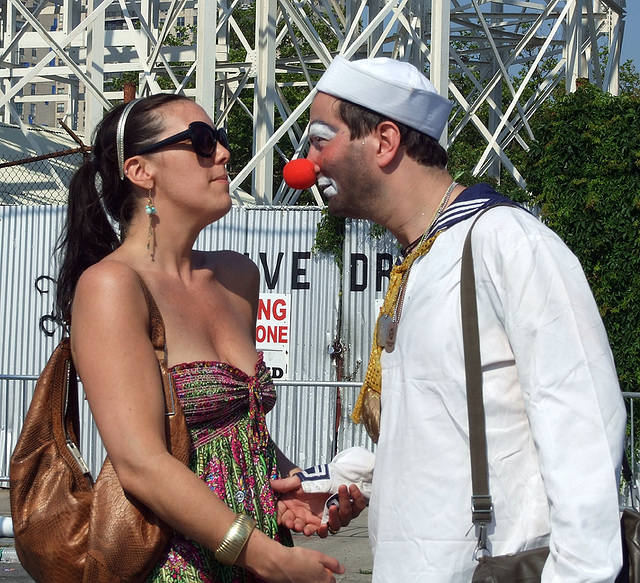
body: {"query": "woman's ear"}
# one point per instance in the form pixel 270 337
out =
pixel 139 172
pixel 388 135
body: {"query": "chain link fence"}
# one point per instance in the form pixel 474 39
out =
pixel 40 180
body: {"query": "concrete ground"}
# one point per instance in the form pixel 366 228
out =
pixel 350 546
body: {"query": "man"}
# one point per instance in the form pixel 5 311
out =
pixel 554 413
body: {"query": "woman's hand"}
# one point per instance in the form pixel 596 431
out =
pixel 302 512
pixel 275 563
pixel 305 566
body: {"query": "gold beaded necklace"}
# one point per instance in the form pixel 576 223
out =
pixel 384 335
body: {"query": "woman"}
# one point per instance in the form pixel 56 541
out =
pixel 158 169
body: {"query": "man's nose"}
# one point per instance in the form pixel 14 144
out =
pixel 314 157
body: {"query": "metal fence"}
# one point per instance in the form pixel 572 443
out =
pixel 16 385
pixel 632 400
pixel 39 179
pixel 14 388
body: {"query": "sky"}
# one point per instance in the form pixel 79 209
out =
pixel 631 40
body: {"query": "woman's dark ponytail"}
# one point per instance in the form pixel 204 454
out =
pixel 87 236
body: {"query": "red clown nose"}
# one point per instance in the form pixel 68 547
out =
pixel 299 174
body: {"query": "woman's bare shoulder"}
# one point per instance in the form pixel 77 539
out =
pixel 111 289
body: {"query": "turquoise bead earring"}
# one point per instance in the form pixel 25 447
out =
pixel 150 210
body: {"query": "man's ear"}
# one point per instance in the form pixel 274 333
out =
pixel 388 135
pixel 139 172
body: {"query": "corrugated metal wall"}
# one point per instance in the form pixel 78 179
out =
pixel 367 264
pixel 279 241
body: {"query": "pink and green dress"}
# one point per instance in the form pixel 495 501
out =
pixel 232 452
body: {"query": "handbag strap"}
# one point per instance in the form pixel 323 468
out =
pixel 481 504
pixel 158 339
pixel 178 440
pixel 156 324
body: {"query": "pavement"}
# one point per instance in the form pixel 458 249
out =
pixel 350 546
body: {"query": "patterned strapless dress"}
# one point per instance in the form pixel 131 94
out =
pixel 233 453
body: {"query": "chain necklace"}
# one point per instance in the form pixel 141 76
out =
pixel 388 322
pixel 384 336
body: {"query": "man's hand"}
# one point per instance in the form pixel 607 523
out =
pixel 303 512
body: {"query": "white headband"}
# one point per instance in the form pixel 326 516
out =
pixel 120 135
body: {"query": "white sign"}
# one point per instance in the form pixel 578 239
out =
pixel 272 332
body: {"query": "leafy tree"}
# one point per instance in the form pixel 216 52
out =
pixel 584 173
pixel 629 79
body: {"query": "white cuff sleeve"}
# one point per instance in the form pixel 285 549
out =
pixel 351 466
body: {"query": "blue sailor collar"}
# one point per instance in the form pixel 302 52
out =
pixel 469 202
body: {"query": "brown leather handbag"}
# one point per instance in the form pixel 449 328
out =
pixel 68 528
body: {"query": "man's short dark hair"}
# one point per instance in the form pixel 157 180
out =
pixel 420 147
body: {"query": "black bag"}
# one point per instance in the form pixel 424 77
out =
pixel 523 567
pixel 630 526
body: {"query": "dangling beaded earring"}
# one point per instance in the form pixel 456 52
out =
pixel 150 210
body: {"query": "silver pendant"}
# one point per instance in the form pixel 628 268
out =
pixel 386 334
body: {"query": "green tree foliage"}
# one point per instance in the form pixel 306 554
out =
pixel 584 173
pixel 330 237
pixel 629 79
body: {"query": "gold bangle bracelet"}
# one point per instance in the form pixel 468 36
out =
pixel 235 539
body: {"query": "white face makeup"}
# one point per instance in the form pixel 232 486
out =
pixel 328 186
pixel 321 132
pixel 318 131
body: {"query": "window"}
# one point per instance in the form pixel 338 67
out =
pixel 34 52
pixel 180 21
pixel 33 88
pixel 195 20
pixel 53 90
pixel 20 108
pixel 60 107
pixel 33 110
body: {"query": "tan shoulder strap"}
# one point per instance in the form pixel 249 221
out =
pixel 158 339
pixel 481 503
pixel 156 324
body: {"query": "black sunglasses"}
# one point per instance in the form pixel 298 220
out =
pixel 204 140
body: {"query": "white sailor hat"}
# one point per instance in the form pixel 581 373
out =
pixel 391 88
